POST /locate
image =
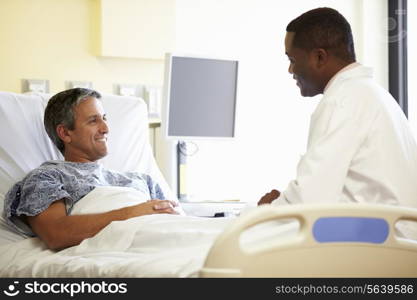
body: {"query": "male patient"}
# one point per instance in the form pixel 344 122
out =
pixel 76 123
pixel 360 148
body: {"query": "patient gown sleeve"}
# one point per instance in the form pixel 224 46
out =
pixel 33 195
pixel 337 131
pixel 154 189
pixel 139 181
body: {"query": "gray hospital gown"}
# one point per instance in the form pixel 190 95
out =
pixel 55 180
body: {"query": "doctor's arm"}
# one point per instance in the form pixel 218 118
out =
pixel 336 135
pixel 59 230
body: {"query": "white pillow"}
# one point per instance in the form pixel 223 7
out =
pixel 129 146
pixel 24 144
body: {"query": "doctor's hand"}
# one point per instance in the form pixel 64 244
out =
pixel 269 197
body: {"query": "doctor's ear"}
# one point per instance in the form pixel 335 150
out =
pixel 63 133
pixel 322 56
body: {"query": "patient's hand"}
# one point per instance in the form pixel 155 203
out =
pixel 154 206
pixel 269 197
pixel 176 207
pixel 164 206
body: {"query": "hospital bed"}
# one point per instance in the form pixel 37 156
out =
pixel 164 249
pixel 263 242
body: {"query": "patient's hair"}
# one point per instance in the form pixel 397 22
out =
pixel 324 28
pixel 60 110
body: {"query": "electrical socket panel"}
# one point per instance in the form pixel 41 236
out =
pixel 35 86
pixel 132 90
pixel 153 98
pixel 79 84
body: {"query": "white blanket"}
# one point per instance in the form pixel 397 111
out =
pixel 159 245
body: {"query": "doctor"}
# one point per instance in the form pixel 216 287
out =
pixel 360 147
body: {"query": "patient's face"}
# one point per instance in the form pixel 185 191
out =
pixel 88 141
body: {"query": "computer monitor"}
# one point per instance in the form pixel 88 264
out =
pixel 200 95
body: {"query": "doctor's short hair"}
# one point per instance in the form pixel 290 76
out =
pixel 60 110
pixel 324 28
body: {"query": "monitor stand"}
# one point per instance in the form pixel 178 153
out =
pixel 182 171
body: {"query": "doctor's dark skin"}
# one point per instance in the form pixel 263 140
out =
pixel 312 70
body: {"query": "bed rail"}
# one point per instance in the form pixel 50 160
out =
pixel 340 240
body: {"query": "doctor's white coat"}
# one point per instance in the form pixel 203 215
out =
pixel 360 147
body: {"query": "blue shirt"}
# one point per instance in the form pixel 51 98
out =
pixel 56 180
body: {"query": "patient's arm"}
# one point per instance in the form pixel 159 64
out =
pixel 58 230
pixel 269 197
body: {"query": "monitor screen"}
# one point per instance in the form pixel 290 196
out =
pixel 201 97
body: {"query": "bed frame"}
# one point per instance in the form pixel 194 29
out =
pixel 345 240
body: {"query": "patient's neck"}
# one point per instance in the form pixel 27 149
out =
pixel 79 158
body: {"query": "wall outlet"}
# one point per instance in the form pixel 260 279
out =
pixel 35 86
pixel 153 98
pixel 79 84
pixel 132 90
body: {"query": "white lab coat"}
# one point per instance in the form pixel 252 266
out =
pixel 360 147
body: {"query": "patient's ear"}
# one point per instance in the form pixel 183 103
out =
pixel 63 133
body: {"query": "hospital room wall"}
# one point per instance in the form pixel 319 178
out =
pixel 272 117
pixel 56 40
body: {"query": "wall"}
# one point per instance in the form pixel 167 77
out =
pixel 374 38
pixel 55 40
pixel 272 118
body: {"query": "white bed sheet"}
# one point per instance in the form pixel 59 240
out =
pixel 149 246
pixel 160 245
